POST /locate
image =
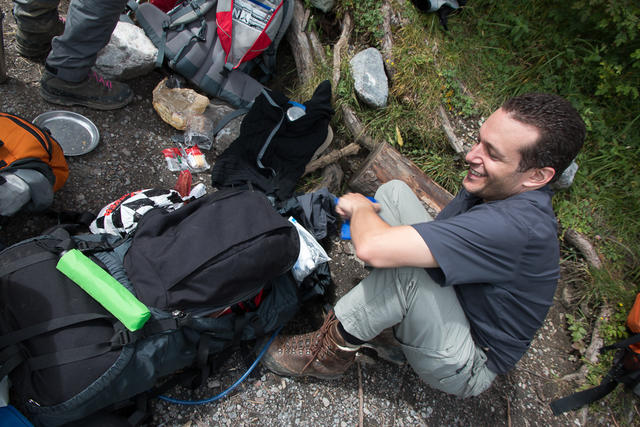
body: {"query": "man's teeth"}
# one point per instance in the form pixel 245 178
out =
pixel 474 173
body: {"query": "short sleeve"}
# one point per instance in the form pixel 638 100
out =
pixel 482 245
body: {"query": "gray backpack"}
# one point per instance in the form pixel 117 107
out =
pixel 216 43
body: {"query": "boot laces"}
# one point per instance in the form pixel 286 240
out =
pixel 319 345
pixel 101 80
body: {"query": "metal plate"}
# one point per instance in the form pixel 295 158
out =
pixel 76 134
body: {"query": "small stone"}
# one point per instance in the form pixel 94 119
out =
pixel 325 402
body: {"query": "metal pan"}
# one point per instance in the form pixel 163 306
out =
pixel 76 134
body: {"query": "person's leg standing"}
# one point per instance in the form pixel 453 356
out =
pixel 38 22
pixel 427 318
pixel 68 79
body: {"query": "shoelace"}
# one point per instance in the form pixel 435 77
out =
pixel 317 346
pixel 101 80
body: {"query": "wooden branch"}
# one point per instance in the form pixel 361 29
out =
pixel 300 43
pixel 331 157
pixel 360 398
pixel 357 130
pixel 457 145
pixel 331 179
pixel 387 163
pixel 580 242
pixel 387 41
pixel 3 63
pixel 593 350
pixel 316 46
pixel 347 26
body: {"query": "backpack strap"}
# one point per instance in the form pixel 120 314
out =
pixel 227 118
pixel 275 129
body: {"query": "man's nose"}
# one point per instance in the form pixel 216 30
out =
pixel 473 156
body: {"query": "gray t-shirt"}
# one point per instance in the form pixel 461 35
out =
pixel 502 257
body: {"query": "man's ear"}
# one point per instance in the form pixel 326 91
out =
pixel 539 177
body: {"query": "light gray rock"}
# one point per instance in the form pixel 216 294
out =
pixel 323 5
pixel 566 179
pixel 129 54
pixel 370 80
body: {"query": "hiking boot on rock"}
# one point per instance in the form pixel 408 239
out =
pixel 94 92
pixel 321 354
pixel 34 42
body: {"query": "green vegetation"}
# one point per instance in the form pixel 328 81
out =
pixel 587 51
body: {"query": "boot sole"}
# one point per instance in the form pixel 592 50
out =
pixel 61 100
pixel 266 363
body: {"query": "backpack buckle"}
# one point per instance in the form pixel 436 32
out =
pixel 121 338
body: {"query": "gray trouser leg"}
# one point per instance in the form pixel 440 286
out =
pixel 427 318
pixel 88 29
pixel 35 15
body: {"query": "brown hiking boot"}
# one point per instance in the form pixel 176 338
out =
pixel 321 354
pixel 94 92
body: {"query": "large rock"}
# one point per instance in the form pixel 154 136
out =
pixel 566 179
pixel 370 80
pixel 323 5
pixel 128 54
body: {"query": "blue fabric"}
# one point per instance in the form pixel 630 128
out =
pixel 502 257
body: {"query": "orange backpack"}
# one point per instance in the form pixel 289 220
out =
pixel 23 144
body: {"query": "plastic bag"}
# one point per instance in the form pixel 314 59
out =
pixel 199 131
pixel 312 254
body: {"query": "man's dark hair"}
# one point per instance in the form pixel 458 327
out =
pixel 561 128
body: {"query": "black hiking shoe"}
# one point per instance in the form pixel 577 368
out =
pixel 94 92
pixel 37 45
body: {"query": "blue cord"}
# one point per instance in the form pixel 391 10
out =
pixel 234 385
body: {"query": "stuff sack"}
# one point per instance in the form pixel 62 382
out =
pixel 32 166
pixel 67 357
pixel 220 247
pixel 188 37
pixel 625 368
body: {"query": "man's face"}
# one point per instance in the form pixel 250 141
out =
pixel 493 161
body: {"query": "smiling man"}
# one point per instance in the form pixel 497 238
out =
pixel 465 293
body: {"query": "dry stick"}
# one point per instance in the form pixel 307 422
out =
pixel 342 41
pixel 356 129
pixel 591 353
pixel 387 41
pixel 584 246
pixel 318 50
pixel 300 43
pixel 3 63
pixel 361 396
pixel 614 420
pixel 448 130
pixel 331 157
pixel 508 412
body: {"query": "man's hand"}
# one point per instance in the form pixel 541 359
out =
pixel 377 243
pixel 348 203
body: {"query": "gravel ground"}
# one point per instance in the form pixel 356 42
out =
pixel 373 392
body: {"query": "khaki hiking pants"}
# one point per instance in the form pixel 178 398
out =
pixel 426 318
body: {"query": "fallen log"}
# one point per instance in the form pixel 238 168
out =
pixel 331 179
pixel 386 163
pixel 3 63
pixel 332 157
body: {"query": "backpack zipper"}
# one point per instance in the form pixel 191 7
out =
pixel 43 139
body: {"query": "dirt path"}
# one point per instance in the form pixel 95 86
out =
pixel 128 158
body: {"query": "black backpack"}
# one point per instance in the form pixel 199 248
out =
pixel 67 357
